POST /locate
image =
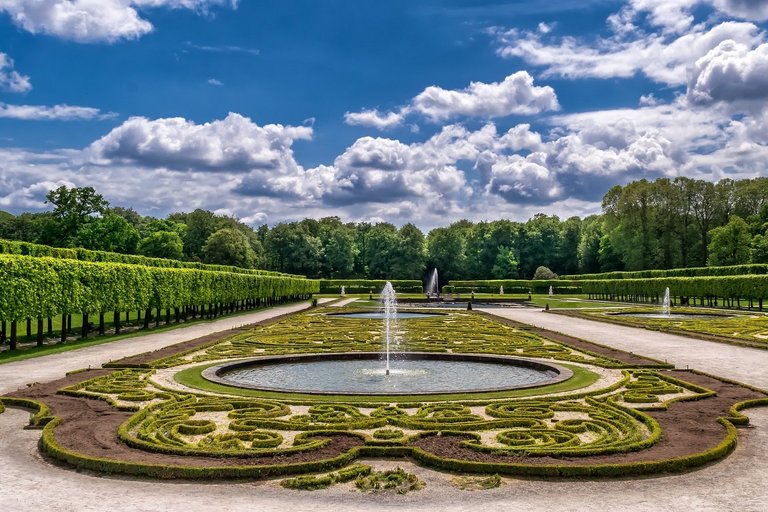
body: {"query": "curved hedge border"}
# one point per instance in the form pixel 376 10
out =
pixel 52 448
pixel 36 250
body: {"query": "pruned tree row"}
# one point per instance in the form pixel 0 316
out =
pixel 41 288
pixel 728 291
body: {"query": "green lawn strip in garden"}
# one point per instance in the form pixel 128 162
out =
pixel 567 301
pixel 22 354
pixel 736 328
pixel 192 377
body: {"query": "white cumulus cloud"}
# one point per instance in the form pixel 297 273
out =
pixel 374 119
pixel 516 94
pixel 10 79
pixel 661 57
pixel 730 72
pixel 89 21
pixel 234 143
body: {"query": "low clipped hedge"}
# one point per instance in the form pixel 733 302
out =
pixel 513 286
pixel 52 448
pixel 330 286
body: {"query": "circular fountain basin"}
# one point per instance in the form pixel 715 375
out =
pixel 362 373
pixel 674 316
pixel 379 315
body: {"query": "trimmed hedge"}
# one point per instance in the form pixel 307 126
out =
pixel 42 287
pixel 369 285
pixel 513 286
pixel 732 270
pixel 37 250
pixel 734 287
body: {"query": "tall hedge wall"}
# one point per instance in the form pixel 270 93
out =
pixel 369 285
pixel 733 270
pixel 43 287
pixel 37 250
pixel 735 287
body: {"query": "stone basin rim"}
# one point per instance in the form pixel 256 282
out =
pixel 214 373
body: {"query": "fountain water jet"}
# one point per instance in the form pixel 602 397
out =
pixel 343 291
pixel 433 285
pixel 551 291
pixel 388 299
pixel 501 290
pixel 665 304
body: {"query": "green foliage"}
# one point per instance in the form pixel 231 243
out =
pixel 312 483
pixel 472 483
pixel 43 287
pixel 229 247
pixel 730 243
pixel 107 233
pixel 162 244
pixel 393 480
pixel 544 274
pixel 37 250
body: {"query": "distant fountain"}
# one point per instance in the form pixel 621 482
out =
pixel 388 299
pixel 551 291
pixel 665 304
pixel 343 291
pixel 433 287
pixel 501 290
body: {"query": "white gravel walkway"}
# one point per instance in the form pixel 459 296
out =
pixel 743 364
pixel 45 368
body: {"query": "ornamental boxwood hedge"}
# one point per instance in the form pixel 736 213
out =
pixel 42 287
pixel 369 285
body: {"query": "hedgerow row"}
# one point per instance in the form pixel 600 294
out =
pixel 37 250
pixel 732 270
pixel 39 288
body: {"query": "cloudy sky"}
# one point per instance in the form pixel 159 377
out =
pixel 424 112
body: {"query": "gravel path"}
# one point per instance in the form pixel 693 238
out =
pixel 735 483
pixel 45 368
pixel 743 364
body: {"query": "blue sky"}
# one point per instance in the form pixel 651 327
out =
pixel 423 112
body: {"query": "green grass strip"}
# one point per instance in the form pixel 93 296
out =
pixel 192 377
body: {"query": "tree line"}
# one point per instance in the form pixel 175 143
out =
pixel 644 225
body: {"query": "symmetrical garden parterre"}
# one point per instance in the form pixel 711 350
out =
pixel 614 417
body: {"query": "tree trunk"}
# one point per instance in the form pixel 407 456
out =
pixel 101 323
pixel 63 328
pixel 147 317
pixel 50 326
pixel 39 332
pixel 84 328
pixel 116 321
pixel 13 335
